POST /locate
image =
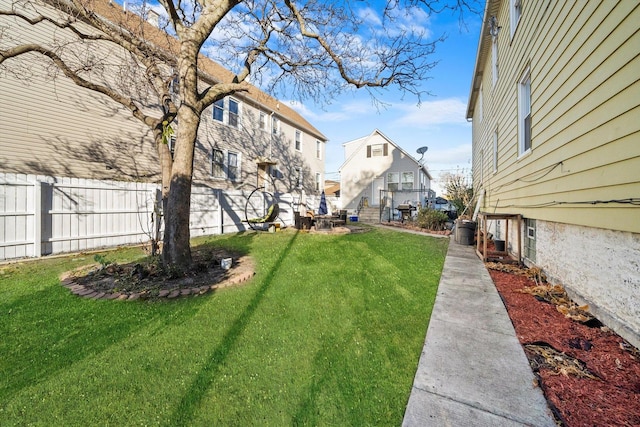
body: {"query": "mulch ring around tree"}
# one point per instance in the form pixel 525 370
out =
pixel 148 279
pixel 590 376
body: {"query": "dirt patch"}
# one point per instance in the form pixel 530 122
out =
pixel 211 269
pixel 589 374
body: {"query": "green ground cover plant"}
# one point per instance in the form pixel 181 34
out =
pixel 328 332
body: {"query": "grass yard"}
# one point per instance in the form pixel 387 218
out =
pixel 328 332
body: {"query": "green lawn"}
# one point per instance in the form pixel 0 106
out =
pixel 328 332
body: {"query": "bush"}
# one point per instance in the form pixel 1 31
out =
pixel 431 219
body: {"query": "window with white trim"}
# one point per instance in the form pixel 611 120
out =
pixel 530 239
pixel 233 166
pixel 218 110
pixel 377 150
pixel 217 163
pixel 524 113
pixel 275 125
pixel 318 149
pixel 318 181
pixel 393 181
pixel 515 11
pixel 298 140
pixel 227 110
pixel 407 180
pixel 234 113
pixel 262 121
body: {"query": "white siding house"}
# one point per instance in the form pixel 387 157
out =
pixel 375 164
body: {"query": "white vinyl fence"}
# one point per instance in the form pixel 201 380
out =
pixel 41 215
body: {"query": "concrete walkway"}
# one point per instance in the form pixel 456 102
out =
pixel 473 371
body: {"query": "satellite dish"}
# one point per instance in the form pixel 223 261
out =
pixel 421 151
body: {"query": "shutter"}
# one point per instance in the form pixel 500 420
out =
pixel 368 151
pixel 385 150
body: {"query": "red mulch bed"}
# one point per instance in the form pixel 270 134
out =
pixel 613 397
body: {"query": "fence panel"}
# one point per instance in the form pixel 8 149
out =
pixel 81 214
pixel 17 216
pixel 206 216
pixel 42 215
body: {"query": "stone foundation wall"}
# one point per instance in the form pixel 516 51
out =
pixel 597 267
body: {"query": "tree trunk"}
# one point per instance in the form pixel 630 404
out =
pixel 177 250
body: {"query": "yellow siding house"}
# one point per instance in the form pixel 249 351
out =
pixel 555 104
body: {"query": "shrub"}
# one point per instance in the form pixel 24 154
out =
pixel 431 219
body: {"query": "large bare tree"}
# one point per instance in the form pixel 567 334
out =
pixel 308 49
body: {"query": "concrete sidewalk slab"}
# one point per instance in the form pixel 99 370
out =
pixel 473 370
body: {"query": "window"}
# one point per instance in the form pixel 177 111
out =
pixel 275 125
pixel 234 113
pixel 524 113
pixel 407 180
pixel 298 140
pixel 217 163
pixel 174 86
pixel 218 110
pixel 495 151
pixel 515 11
pixel 274 172
pixel 318 150
pixel 227 112
pixel 393 180
pixel 232 166
pixel 318 181
pixel 298 177
pixel 530 239
pixel 262 121
pixel 376 150
pixel 494 60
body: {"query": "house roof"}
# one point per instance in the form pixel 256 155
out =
pixel 331 187
pixel 211 71
pixel 484 49
pixel 363 142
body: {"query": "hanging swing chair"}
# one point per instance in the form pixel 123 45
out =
pixel 260 200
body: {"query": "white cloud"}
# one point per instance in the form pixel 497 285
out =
pixel 370 16
pixel 433 113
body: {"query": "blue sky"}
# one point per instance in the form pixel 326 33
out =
pixel 438 123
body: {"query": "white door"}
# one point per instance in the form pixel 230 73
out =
pixel 378 184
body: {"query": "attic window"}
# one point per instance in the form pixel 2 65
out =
pixel 377 150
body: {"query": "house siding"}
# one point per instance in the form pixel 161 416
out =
pixel 584 96
pixel 50 126
pixel 359 171
pixel 582 170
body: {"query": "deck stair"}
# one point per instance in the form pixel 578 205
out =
pixel 369 214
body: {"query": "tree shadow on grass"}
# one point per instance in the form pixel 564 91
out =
pixel 198 388
pixel 49 330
